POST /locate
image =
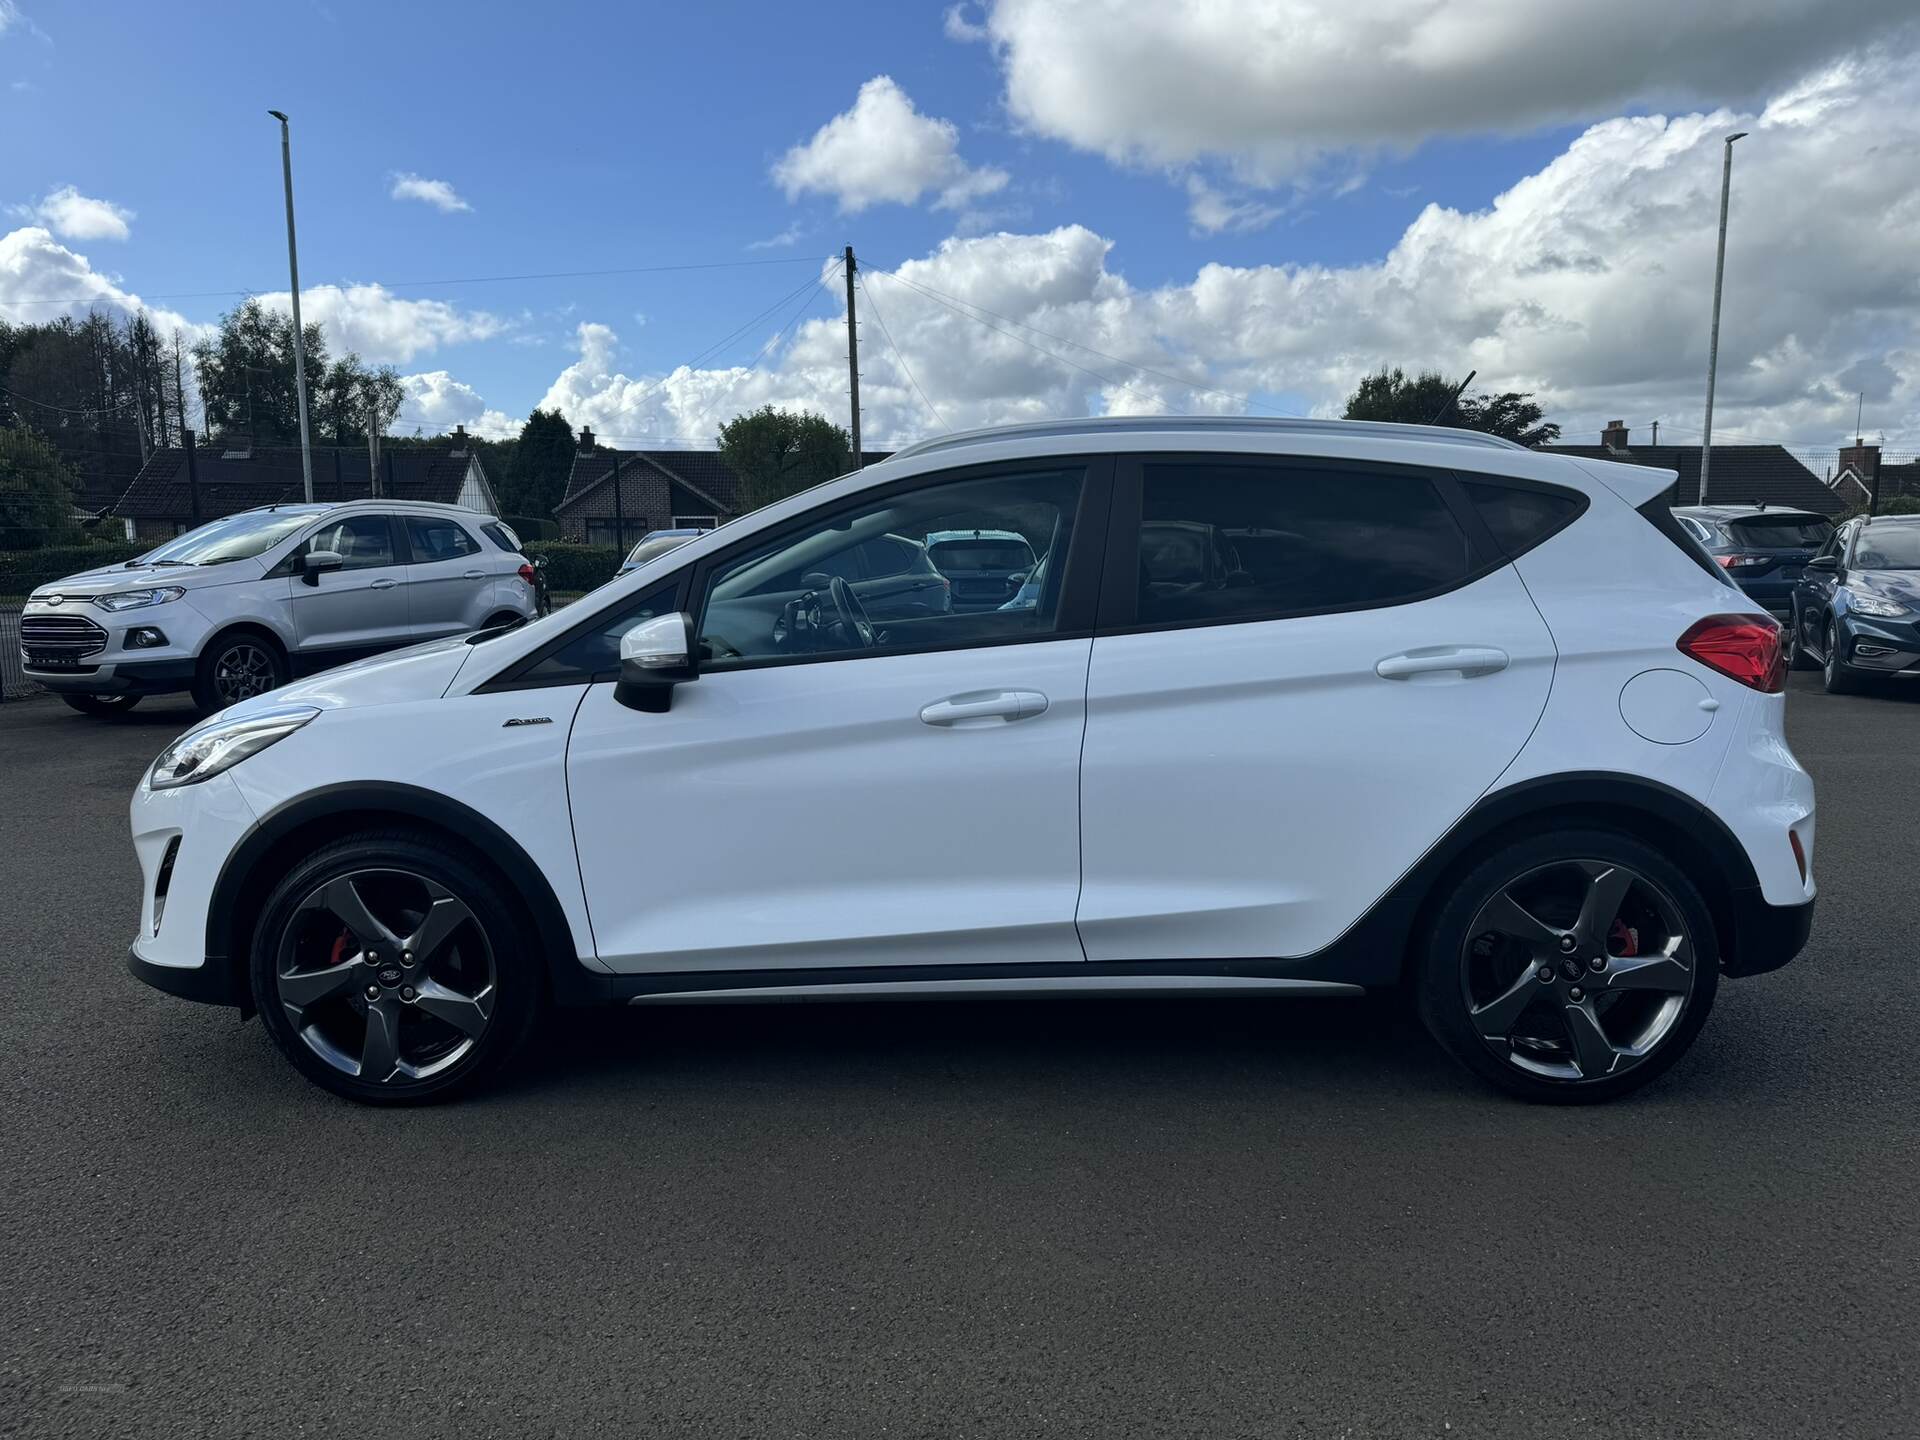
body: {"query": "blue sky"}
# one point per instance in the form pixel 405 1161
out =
pixel 591 137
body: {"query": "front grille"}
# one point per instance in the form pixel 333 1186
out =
pixel 59 639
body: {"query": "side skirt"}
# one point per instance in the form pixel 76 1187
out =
pixel 1027 987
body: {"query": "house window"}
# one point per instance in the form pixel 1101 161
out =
pixel 695 522
pixel 600 530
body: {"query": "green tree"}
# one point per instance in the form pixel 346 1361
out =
pixel 536 476
pixel 1427 399
pixel 36 493
pixel 246 374
pixel 777 453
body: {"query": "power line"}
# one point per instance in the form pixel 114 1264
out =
pixel 462 280
pixel 900 355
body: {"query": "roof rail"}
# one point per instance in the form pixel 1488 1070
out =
pixel 1205 425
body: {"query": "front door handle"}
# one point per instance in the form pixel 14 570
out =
pixel 384 583
pixel 984 706
pixel 1466 661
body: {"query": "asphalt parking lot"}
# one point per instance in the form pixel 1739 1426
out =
pixel 1093 1218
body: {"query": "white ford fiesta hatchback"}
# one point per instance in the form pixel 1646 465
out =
pixel 1295 709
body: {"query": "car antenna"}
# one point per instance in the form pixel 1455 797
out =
pixel 1452 399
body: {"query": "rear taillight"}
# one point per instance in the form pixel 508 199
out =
pixel 526 573
pixel 1799 854
pixel 1741 562
pixel 1743 647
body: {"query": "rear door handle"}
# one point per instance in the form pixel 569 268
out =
pixel 983 706
pixel 473 575
pixel 384 583
pixel 1466 661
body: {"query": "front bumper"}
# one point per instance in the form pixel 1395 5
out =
pixel 126 677
pixel 1874 646
pixel 208 821
pixel 65 662
pixel 1765 937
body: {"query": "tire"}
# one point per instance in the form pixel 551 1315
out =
pixel 1478 989
pixel 104 707
pixel 237 666
pixel 1797 656
pixel 1834 673
pixel 395 1029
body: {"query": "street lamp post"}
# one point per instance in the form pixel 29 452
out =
pixel 299 338
pixel 1713 341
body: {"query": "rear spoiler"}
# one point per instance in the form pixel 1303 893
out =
pixel 1635 484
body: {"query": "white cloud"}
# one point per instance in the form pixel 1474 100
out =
pixel 436 402
pixel 12 17
pixel 792 235
pixel 74 216
pixel 1271 85
pixel 1211 211
pixel 41 279
pixel 384 328
pixel 884 151
pixel 437 193
pixel 1587 282
pixel 959 24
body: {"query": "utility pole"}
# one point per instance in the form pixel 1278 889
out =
pixel 179 387
pixel 853 362
pixel 299 339
pixel 1713 341
pixel 193 478
pixel 619 511
pixel 1656 432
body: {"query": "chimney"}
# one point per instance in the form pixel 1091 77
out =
pixel 459 439
pixel 1614 437
pixel 1864 458
pixel 586 439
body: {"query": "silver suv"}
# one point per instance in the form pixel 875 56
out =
pixel 242 604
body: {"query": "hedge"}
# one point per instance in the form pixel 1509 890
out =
pixel 24 570
pixel 574 567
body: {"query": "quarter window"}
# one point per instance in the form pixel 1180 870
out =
pixel 814 593
pixel 1521 519
pixel 1225 542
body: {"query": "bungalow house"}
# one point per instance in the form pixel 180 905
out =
pixel 160 502
pixel 1741 474
pixel 657 490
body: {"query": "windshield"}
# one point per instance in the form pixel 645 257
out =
pixel 238 537
pixel 1888 548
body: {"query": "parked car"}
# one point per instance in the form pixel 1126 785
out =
pixel 984 567
pixel 1487 722
pixel 1762 548
pixel 655 543
pixel 1856 611
pixel 240 605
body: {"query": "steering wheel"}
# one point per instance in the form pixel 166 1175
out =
pixel 852 615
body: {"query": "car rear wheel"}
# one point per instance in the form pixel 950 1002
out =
pixel 1834 673
pixel 237 667
pixel 106 707
pixel 389 970
pixel 1570 967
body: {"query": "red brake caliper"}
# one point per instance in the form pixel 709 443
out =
pixel 342 948
pixel 1623 940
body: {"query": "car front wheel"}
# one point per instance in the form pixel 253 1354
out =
pixel 1837 678
pixel 237 667
pixel 389 970
pixel 1570 967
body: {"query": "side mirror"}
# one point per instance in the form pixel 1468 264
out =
pixel 655 656
pixel 1827 563
pixel 541 563
pixel 315 563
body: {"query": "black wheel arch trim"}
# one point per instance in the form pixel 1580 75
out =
pixel 226 979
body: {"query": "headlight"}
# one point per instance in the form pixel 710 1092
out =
pixel 204 753
pixel 135 599
pixel 1868 603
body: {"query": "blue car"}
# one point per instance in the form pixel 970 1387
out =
pixel 1856 611
pixel 1762 548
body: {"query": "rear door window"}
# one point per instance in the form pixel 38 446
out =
pixel 433 540
pixel 1223 542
